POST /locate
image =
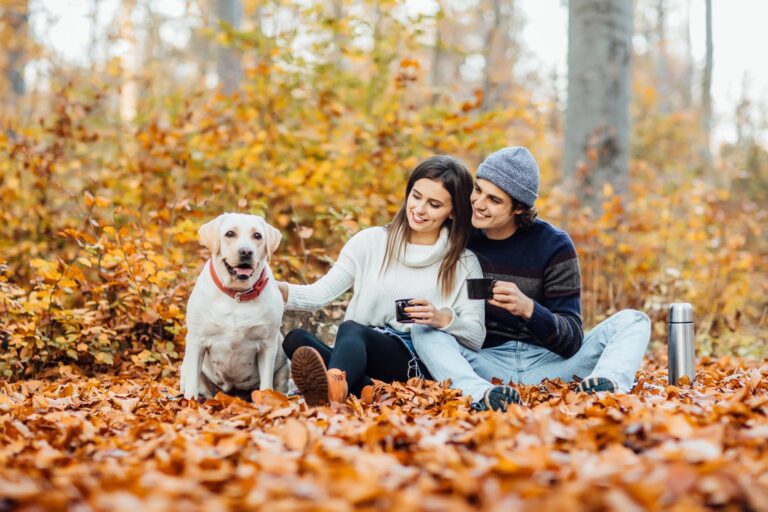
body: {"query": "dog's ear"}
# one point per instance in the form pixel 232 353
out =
pixel 272 236
pixel 209 234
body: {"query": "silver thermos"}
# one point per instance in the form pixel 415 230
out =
pixel 682 355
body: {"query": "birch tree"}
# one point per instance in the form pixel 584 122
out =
pixel 129 90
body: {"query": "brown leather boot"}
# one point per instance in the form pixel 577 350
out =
pixel 337 385
pixel 318 385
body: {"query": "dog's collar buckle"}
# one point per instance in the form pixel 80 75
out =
pixel 237 296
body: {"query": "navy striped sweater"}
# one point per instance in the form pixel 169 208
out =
pixel 542 262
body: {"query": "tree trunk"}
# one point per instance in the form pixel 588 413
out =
pixel 378 82
pixel 437 53
pixel 492 43
pixel 338 38
pixel 599 90
pixel 662 59
pixel 688 82
pixel 93 37
pixel 129 89
pixel 16 18
pixel 228 59
pixel 706 85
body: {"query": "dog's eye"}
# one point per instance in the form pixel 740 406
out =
pixel 257 236
pixel 229 234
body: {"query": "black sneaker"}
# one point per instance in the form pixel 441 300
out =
pixel 497 398
pixel 597 384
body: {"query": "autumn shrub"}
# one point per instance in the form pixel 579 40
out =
pixel 99 236
pixel 682 242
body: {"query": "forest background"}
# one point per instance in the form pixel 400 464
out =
pixel 313 114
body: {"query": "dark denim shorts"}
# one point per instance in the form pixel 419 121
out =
pixel 416 368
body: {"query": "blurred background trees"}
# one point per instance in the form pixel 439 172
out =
pixel 466 51
pixel 313 113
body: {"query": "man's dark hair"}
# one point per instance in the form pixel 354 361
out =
pixel 526 219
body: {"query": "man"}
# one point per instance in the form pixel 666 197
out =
pixel 533 321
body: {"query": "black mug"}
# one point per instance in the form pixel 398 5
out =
pixel 400 314
pixel 480 288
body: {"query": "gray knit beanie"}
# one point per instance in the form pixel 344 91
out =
pixel 514 171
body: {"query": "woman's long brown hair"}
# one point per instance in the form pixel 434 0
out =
pixel 457 180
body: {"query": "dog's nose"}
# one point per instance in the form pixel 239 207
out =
pixel 246 253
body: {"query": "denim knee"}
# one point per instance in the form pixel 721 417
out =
pixel 627 317
pixel 424 336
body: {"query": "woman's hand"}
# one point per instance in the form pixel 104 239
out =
pixel 283 287
pixel 423 312
pixel 508 296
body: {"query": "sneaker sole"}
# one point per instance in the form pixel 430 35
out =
pixel 596 385
pixel 310 376
pixel 499 398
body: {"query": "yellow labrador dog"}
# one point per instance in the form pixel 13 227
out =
pixel 234 312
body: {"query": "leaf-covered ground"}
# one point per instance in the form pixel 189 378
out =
pixel 126 443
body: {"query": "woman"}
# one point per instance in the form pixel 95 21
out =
pixel 421 256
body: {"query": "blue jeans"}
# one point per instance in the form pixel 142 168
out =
pixel 613 349
pixel 416 367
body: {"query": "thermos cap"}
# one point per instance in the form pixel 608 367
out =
pixel 680 312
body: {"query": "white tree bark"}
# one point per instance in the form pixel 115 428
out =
pixel 129 89
pixel 599 90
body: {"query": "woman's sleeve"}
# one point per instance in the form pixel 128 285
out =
pixel 336 281
pixel 468 324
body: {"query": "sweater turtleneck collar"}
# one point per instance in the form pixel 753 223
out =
pixel 426 255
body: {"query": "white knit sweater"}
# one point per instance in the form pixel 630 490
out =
pixel 414 276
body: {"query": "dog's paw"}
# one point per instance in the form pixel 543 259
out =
pixel 190 393
pixel 188 386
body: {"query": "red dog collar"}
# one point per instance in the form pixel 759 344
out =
pixel 246 295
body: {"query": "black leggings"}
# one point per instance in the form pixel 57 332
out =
pixel 361 351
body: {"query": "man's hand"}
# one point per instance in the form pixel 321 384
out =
pixel 508 296
pixel 424 312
